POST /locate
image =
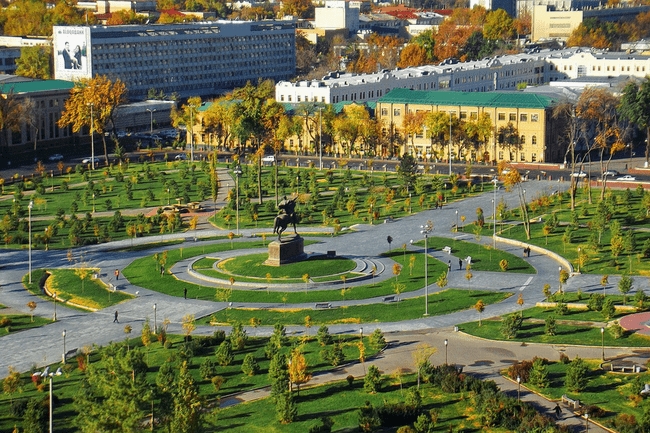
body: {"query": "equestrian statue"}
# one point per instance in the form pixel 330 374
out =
pixel 286 216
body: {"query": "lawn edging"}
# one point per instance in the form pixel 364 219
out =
pixel 49 294
pixel 577 306
pixel 544 251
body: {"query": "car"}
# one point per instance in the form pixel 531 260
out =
pixel 610 173
pixel 89 160
pixel 579 174
pixel 627 177
pixel 180 157
pixel 268 158
pixel 56 157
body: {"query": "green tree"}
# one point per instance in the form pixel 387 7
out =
pixel 576 375
pixel 115 395
pixel 223 354
pixel 35 416
pixel 407 171
pixel 538 374
pixel 238 336
pixel 510 325
pixel 34 62
pixel 278 375
pixel 635 107
pixel 498 25
pixel 624 286
pixel 608 309
pixel 372 381
pixel 188 404
pixel 249 366
pixel 550 326
pixel 286 408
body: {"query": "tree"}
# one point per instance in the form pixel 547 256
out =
pixel 413 55
pixel 11 383
pixel 250 367
pixel 538 374
pixel 421 356
pixel 479 307
pixel 99 95
pixel 32 306
pixel 624 286
pixel 498 25
pixel 34 62
pixel 188 404
pixel 576 375
pixel 412 125
pixel 115 394
pixel 372 381
pixel 10 117
pixel 510 325
pixel 285 406
pixel 298 368
pixel 223 354
pixel 608 309
pixel 513 180
pixel 407 171
pixel 188 325
pixel 635 107
pixel 550 326
pixel 35 416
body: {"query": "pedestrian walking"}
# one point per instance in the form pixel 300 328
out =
pixel 185 292
pixel 449 266
pixel 117 274
pixel 162 270
pixel 460 264
pixel 115 320
pixel 558 411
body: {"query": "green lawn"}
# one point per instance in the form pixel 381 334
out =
pixel 483 258
pixel 69 287
pixel 10 323
pixel 318 266
pixel 445 302
pixel 609 391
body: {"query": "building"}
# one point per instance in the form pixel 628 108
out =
pixel 550 22
pixel 591 62
pixel 193 59
pixel 529 114
pixel 500 73
pixel 42 103
pixel 144 115
pixel 337 14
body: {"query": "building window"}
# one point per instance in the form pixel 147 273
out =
pixel 502 116
pixel 298 98
pixel 384 112
pixel 500 154
pixel 473 115
pixel 523 139
pixel 533 140
pixel 463 114
pixel 281 97
pixel 513 117
pixel 522 157
pixel 533 157
pixel 534 117
pixel 396 112
pixel 523 117
pixel 289 98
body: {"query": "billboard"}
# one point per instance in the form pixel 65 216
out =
pixel 72 53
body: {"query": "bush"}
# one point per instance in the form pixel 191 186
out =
pixel 368 419
pixel 372 381
pixel 564 358
pixel 286 408
pixel 18 407
pixel 550 326
pixel 511 325
pixel 324 337
pixel 325 427
pixel 250 366
pixel 238 336
pixel 208 369
pixel 350 380
pixel 332 354
pixel 576 375
pixel 413 398
pixel 377 339
pixel 168 344
pixel 223 354
pixel 561 309
pixel 217 381
pixel 520 369
pixel 218 337
pixel 595 302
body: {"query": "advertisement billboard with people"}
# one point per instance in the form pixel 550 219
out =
pixel 71 52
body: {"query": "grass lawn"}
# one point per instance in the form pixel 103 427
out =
pixel 10 323
pixel 66 386
pixel 253 266
pixel 70 287
pixel 483 258
pixel 608 391
pixel 144 272
pixel 624 207
pixel 445 302
pixel 533 332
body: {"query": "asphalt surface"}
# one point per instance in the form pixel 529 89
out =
pixel 44 345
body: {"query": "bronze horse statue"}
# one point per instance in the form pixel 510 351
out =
pixel 286 217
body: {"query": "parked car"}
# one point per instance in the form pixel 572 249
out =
pixel 610 173
pixel 88 160
pixel 627 177
pixel 268 158
pixel 180 157
pixel 56 157
pixel 579 174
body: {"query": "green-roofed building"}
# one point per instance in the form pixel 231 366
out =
pixel 494 126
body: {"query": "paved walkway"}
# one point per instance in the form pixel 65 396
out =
pixel 44 345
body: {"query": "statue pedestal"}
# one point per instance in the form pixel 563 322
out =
pixel 289 250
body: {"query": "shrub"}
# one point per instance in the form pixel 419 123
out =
pixel 413 398
pixel 223 354
pixel 564 358
pixel 5 321
pixel 238 336
pixel 550 326
pixel 332 354
pixel 617 330
pixel 520 369
pixel 576 375
pixel 368 419
pixel 350 380
pixel 511 325
pixel 250 366
pixel 377 339
pixel 538 374
pixel 285 407
pixel 217 381
pixel 595 302
pixel 324 337
pixel 325 427
pixel 561 309
pixel 208 369
pixel 372 381
pixel 218 337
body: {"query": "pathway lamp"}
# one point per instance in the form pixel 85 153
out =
pixel 47 373
pixel 30 206
pixel 63 333
pixel 456 221
pixel 579 259
pixel 518 388
pixel 320 137
pixel 238 173
pixel 426 229
pixel 192 107
pixel 602 342
pixel 54 296
pixel 587 423
pixel 494 213
pixel 92 135
pixel 155 319
pixel 446 346
pixel 93 202
pixel 151 116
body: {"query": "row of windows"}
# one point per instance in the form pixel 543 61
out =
pixel 609 68
pixel 181 42
pixel 512 117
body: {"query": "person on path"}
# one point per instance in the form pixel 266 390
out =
pixel 460 264
pixel 449 266
pixel 162 270
pixel 115 320
pixel 117 274
pixel 185 292
pixel 558 411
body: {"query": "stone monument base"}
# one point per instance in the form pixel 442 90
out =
pixel 289 250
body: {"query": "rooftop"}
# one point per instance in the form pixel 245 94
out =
pixel 469 99
pixel 36 86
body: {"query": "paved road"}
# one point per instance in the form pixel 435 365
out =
pixel 44 345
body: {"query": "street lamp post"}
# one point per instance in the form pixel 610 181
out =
pixel 579 259
pixel 426 229
pixel 456 221
pixel 47 373
pixel 63 333
pixel 320 137
pixel 450 115
pixel 494 214
pixel 167 196
pixel 587 423
pixel 30 206
pixel 54 296
pixel 155 319
pixel 602 342
pixel 93 202
pixel 446 346
pixel 361 340
pixel 237 174
pixel 372 213
pixel 410 204
pixel 92 135
pixel 518 388
pixel 192 107
pixel 151 119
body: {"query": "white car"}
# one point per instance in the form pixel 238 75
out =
pixel 627 177
pixel 180 157
pixel 56 157
pixel 268 158
pixel 610 173
pixel 88 160
pixel 579 174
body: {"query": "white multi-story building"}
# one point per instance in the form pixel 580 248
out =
pixel 499 73
pixel 506 72
pixel 194 59
pixel 337 14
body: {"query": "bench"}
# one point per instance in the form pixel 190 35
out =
pixel 388 299
pixel 447 250
pixel 322 305
pixel 575 404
